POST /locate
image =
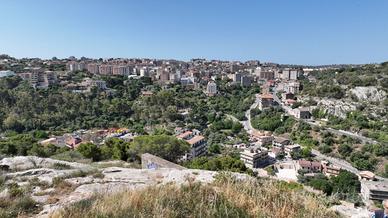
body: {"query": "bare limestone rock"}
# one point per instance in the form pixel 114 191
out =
pixel 369 93
pixel 31 162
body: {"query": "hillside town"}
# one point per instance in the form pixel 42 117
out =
pixel 259 109
pixel 266 153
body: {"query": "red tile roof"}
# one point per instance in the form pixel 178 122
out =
pixel 184 135
pixel 195 139
pixel 266 96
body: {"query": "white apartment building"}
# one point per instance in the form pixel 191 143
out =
pixel 255 157
pixel 211 88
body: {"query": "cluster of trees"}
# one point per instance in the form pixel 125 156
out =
pixel 226 124
pixel 27 144
pixel 345 186
pixel 234 99
pixel 271 119
pixel 304 153
pixel 302 136
pixel 164 146
pixel 363 161
pixel 54 109
pixel 163 106
pixel 355 121
pixel 219 163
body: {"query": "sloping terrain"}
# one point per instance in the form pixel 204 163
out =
pixel 43 187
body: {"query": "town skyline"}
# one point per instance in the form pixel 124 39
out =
pixel 80 58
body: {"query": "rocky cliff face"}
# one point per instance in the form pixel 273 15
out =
pixel 337 107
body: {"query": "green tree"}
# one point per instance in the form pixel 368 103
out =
pixel 215 149
pixel 345 182
pixel 89 150
pixel 115 148
pixel 345 150
pixel 236 128
pixel 305 152
pixel 218 163
pixel 321 183
pixel 164 146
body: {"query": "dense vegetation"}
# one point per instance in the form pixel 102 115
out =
pixel 164 146
pixel 55 109
pixel 25 109
pixel 219 163
pixel 345 186
pixel 271 119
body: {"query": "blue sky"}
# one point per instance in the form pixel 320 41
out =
pixel 284 31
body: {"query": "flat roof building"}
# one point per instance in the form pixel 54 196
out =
pixel 255 157
pixel 302 113
pixel 280 142
pixel 289 149
pixel 373 190
pixel 367 175
pixel 265 101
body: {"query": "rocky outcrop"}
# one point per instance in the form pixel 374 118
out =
pixel 337 107
pixel 369 93
pixel 351 211
pixel 93 180
pixel 32 162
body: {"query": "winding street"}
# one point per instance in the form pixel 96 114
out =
pixel 247 123
pixel 339 162
pixel 331 130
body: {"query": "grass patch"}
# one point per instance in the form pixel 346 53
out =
pixel 2 182
pixel 61 186
pixel 18 204
pixel 61 166
pixel 226 197
pixel 36 182
pixel 132 165
pixel 23 206
pixel 98 175
pixel 71 156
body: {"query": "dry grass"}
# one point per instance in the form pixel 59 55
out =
pixel 62 187
pixel 18 204
pixel 224 198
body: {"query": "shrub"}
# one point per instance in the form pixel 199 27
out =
pixel 15 190
pixel 61 166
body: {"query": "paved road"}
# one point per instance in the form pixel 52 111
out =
pixel 331 130
pixel 247 123
pixel 341 163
